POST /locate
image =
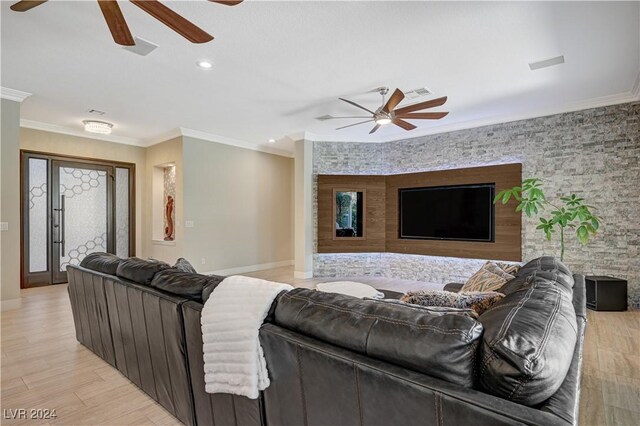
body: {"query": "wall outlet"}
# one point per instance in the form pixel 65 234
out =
pixel 203 261
pixel 188 224
pixel 4 226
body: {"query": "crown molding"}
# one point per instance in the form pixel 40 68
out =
pixel 210 137
pixel 13 94
pixel 55 128
pixel 171 134
pixel 603 101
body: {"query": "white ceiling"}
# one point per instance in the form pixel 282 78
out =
pixel 280 64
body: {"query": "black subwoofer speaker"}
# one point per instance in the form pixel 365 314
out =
pixel 606 293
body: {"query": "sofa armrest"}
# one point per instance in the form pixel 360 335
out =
pixel 453 287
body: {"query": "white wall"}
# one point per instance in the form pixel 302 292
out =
pixel 303 209
pixel 240 201
pixel 10 204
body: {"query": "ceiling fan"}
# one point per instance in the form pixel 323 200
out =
pixel 386 113
pixel 118 26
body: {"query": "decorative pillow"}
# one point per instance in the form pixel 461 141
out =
pixel 489 278
pixel 183 265
pixel 509 268
pixel 477 301
pixel 435 310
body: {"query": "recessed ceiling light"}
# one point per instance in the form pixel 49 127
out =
pixel 272 141
pixel 546 63
pixel 101 127
pixel 205 65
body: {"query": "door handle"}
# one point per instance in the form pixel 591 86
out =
pixel 61 220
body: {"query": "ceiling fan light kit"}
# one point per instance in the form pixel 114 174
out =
pixel 388 114
pixel 118 25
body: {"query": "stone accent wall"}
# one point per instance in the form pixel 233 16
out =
pixel 594 153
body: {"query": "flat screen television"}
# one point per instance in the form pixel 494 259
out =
pixel 461 212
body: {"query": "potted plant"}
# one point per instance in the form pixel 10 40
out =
pixel 570 212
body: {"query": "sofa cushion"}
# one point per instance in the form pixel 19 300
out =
pixel 185 284
pixel 530 335
pixel 140 271
pixel 443 346
pixel 106 263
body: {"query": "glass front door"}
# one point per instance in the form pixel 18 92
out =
pixel 82 199
pixel 73 208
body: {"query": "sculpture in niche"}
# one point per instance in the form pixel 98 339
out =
pixel 169 230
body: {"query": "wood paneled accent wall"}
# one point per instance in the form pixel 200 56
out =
pixel 508 224
pixel 374 214
pixel 382 218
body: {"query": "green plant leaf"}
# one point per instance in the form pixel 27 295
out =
pixel 519 208
pixel 506 197
pixel 499 196
pixel 595 223
pixel 583 234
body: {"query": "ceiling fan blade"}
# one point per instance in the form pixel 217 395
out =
pixel 174 21
pixel 331 117
pixel 115 20
pixel 393 101
pixel 376 127
pixel 404 124
pixel 422 105
pixel 423 115
pixel 24 5
pixel 227 2
pixel 356 105
pixel 354 124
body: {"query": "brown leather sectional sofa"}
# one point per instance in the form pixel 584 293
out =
pixel 337 360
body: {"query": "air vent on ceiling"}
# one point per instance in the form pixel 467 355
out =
pixel 417 93
pixel 546 63
pixel 142 47
pixel 96 112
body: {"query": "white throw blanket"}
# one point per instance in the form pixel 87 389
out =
pixel 233 358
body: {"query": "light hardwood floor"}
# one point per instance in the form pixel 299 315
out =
pixel 44 367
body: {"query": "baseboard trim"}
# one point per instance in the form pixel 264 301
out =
pixel 10 304
pixel 250 268
pixel 303 275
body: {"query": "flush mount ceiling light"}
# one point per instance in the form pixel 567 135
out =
pixel 205 65
pixel 101 127
pixel 272 141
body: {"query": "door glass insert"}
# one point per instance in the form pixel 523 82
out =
pixel 38 229
pixel 82 216
pixel 122 212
